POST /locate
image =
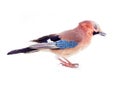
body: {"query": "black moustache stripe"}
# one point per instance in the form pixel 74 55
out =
pixel 94 33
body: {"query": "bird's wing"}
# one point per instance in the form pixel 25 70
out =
pixel 45 39
pixel 70 35
pixel 57 41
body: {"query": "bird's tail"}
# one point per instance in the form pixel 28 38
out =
pixel 23 50
pixel 33 48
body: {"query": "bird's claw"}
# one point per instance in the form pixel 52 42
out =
pixel 71 65
pixel 67 63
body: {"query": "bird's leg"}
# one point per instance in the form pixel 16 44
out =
pixel 67 63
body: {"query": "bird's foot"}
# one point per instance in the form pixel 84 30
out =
pixel 67 63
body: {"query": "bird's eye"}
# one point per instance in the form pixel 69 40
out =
pixel 95 26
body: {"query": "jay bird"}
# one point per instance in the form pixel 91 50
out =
pixel 65 43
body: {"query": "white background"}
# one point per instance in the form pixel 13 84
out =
pixel 24 20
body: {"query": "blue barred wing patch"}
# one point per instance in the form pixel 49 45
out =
pixel 63 44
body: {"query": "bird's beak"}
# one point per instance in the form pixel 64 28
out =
pixel 102 33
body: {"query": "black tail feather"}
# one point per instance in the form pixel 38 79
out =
pixel 23 50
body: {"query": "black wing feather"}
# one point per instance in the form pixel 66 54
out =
pixel 45 39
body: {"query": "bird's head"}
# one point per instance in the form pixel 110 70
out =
pixel 91 27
